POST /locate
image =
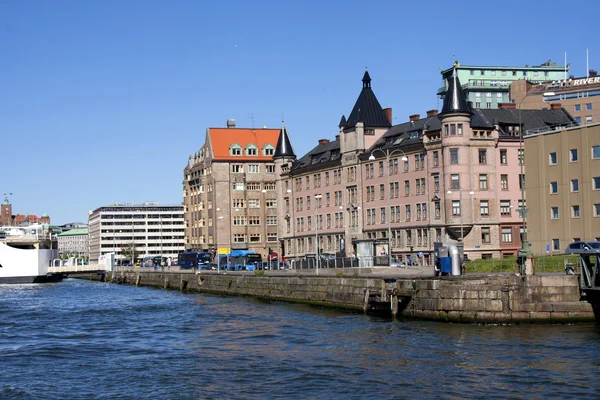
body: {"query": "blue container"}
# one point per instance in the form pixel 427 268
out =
pixel 446 265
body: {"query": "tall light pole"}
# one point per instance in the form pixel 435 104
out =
pixel 317 199
pixel 524 210
pixel 461 211
pixel 219 218
pixel 388 154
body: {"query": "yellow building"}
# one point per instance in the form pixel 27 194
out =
pixel 563 187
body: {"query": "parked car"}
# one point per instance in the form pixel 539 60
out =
pixel 578 247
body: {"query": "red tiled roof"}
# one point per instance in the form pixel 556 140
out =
pixel 222 138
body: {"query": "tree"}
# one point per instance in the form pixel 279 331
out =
pixel 130 252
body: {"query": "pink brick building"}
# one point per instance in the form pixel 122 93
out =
pixel 447 176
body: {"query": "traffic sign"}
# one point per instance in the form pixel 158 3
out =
pixel 548 248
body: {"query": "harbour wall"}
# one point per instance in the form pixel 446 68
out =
pixel 466 299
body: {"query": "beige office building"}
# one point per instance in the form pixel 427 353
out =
pixel 563 187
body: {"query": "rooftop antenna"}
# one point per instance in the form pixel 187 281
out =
pixel 565 66
pixel 587 62
pixel 252 118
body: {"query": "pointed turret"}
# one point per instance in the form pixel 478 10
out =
pixel 6 202
pixel 455 101
pixel 342 122
pixel 367 108
pixel 284 145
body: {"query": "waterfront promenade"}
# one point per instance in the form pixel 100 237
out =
pixel 409 293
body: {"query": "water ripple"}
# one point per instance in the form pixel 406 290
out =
pixel 85 340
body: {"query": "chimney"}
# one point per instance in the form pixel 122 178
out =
pixel 414 117
pixel 555 106
pixel 231 123
pixel 507 105
pixel 323 141
pixel 388 114
pixel 337 137
pixel 470 104
pixel 432 113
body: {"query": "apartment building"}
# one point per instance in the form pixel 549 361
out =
pixel 151 228
pixel 488 86
pixel 450 175
pixel 563 187
pixel 229 191
pixel 73 242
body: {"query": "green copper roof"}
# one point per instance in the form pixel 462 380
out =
pixel 73 232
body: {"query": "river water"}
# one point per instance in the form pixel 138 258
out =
pixel 89 340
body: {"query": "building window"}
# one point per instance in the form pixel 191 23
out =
pixel 588 119
pixel 239 238
pixel 253 169
pixel 578 120
pixel 237 168
pixel 484 208
pixel 553 187
pixel 573 155
pixel 270 169
pixel 235 150
pixel 482 156
pixel 453 156
pixel 407 212
pixel 521 159
pixel 485 234
pixel 483 182
pixel 596 183
pixel 588 106
pixel 504 182
pixel 437 207
pixel 503 157
pixel 554 212
pixel 456 207
pixel 454 181
pixel 575 211
pixel 381 192
pixel 595 152
pixel 596 210
pixel 574 185
pixel 555 244
pixel 407 188
pixel 436 158
pixel 505 208
pixel 251 150
pixel 521 181
pixel 577 107
pixel 268 150
pixel 552 158
pixel 237 186
pixel 507 235
pixel 436 183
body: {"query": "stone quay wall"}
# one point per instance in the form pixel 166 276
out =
pixel 467 299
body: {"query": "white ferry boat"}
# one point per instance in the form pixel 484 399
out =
pixel 26 254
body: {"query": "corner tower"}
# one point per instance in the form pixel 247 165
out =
pixel 283 158
pixel 455 119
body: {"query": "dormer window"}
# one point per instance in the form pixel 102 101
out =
pixel 235 150
pixel 251 150
pixel 268 150
pixel 414 134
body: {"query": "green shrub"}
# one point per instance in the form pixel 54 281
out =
pixel 259 273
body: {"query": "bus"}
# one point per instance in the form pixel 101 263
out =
pixel 192 259
pixel 241 260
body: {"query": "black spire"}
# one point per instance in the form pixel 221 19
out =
pixel 366 80
pixel 342 122
pixel 455 101
pixel 284 146
pixel 367 108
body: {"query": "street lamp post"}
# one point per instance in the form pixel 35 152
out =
pixel 461 210
pixel 317 199
pixel 524 210
pixel 388 154
pixel 219 218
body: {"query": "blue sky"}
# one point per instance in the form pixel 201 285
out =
pixel 103 101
